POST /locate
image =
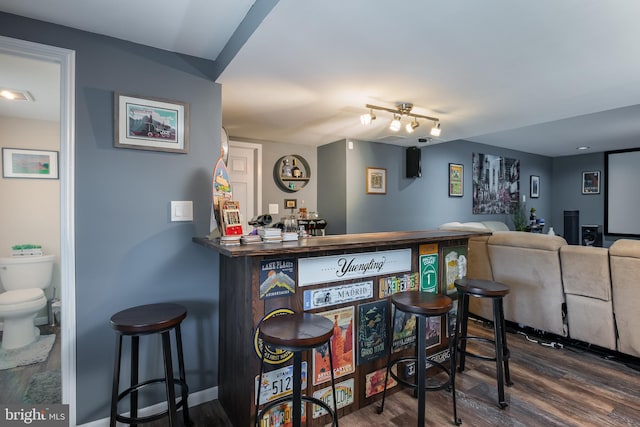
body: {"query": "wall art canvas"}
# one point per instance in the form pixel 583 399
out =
pixel 496 184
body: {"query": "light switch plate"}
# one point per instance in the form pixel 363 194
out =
pixel 181 211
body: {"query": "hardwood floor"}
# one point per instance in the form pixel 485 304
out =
pixel 552 387
pixel 14 382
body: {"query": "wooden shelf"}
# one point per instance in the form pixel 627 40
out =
pixel 286 183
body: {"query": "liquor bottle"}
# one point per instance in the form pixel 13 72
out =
pixel 297 173
pixel 286 169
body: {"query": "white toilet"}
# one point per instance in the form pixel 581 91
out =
pixel 23 280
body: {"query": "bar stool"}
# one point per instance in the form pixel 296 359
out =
pixel 296 333
pixel 496 291
pixel 148 320
pixel 423 305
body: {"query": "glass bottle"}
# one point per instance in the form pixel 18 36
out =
pixel 286 169
pixel 297 173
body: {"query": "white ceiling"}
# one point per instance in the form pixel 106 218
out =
pixel 542 77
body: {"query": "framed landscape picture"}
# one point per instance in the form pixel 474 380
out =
pixel 34 164
pixel 155 124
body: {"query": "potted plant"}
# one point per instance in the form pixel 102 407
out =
pixel 519 218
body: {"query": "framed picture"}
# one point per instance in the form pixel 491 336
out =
pixel 290 203
pixel 456 180
pixel 35 164
pixel 591 182
pixel 376 180
pixel 534 186
pixel 151 124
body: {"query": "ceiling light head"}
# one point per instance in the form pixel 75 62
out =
pixel 410 127
pixel 584 147
pixel 15 94
pixel 395 123
pixel 435 130
pixel 366 119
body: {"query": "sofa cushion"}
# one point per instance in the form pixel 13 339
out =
pixel 463 226
pixel 585 271
pixel 496 225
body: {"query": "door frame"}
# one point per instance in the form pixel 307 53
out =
pixel 67 60
pixel 257 168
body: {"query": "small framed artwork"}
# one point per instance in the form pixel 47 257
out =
pixel 376 180
pixel 34 164
pixel 290 203
pixel 591 182
pixel 151 124
pixel 534 186
pixel 456 180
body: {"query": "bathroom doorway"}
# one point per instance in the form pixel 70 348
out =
pixel 54 133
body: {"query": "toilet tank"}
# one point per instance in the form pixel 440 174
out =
pixel 26 272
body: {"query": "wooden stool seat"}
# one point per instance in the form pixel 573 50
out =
pixel 148 319
pixel 496 291
pixel 140 321
pixel 297 332
pixel 482 288
pixel 423 305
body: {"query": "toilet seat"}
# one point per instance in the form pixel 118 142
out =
pixel 20 300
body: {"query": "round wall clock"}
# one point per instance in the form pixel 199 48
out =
pixel 224 145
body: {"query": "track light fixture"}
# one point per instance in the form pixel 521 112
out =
pixel 401 110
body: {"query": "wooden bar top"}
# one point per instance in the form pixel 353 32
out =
pixel 337 242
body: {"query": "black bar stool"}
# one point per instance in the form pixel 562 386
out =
pixel 496 291
pixel 296 333
pixel 147 320
pixel 423 305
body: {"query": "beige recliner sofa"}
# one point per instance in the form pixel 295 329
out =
pixel 624 256
pixel 529 263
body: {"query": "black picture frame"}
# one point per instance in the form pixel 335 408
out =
pixel 534 186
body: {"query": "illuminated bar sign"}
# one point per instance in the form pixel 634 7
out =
pixel 336 268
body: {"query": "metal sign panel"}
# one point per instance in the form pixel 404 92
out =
pixel 352 266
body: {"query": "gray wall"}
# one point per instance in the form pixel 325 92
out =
pixel 332 197
pixel 567 189
pixel 127 250
pixel 271 193
pixel 417 203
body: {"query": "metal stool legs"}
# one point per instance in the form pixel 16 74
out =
pixel 500 343
pixel 168 379
pixel 420 385
pixel 297 398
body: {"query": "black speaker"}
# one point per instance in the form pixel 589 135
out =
pixel 592 235
pixel 571 221
pixel 413 156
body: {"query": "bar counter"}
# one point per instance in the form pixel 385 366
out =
pixel 352 273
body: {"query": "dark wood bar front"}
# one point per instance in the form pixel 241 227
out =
pixel 347 278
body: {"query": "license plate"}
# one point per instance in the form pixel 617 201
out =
pixel 278 383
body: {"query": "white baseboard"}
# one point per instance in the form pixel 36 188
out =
pixel 195 399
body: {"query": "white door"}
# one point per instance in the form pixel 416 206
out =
pixel 245 174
